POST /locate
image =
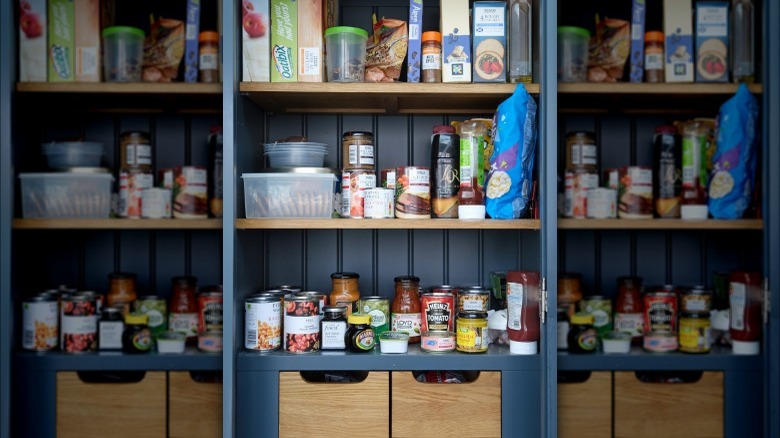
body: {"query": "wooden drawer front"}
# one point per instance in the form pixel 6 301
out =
pixel 686 410
pixel 110 409
pixel 328 410
pixel 446 409
pixel 194 408
pixel 585 409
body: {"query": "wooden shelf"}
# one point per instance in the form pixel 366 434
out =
pixel 660 224
pixel 117 224
pixel 119 87
pixel 390 98
pixel 386 224
pixel 655 89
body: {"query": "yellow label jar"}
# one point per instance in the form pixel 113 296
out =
pixel 471 332
pixel 695 332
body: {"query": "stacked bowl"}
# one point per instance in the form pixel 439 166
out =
pixel 295 154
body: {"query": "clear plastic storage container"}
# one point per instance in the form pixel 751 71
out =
pixel 572 54
pixel 123 54
pixel 346 53
pixel 305 192
pixel 67 194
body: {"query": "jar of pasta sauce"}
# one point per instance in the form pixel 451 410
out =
pixel 405 314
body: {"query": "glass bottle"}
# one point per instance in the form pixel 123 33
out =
pixel 184 310
pixel 445 167
pixel 520 40
pixel 743 48
pixel 629 309
pixel 405 311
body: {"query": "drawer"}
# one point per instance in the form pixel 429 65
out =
pixel 668 409
pixel 194 407
pixel 117 405
pixel 585 408
pixel 328 410
pixel 446 409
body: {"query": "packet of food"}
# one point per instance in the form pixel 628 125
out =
pixel 386 52
pixel 609 49
pixel 163 50
pixel 509 182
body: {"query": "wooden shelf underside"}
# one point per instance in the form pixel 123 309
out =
pixel 117 224
pixel 659 224
pixel 387 224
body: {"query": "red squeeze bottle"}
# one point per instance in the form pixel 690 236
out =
pixel 522 291
pixel 746 318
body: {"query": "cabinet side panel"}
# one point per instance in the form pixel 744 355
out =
pixel 194 408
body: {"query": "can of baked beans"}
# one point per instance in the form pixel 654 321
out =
pixel 263 322
pixel 79 323
pixel 210 312
pixel 301 324
pixel 132 183
pixel 474 299
pixel 660 312
pixel 39 323
pixel 438 312
pixel 354 183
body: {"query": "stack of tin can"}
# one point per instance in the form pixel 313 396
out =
pixel 135 173
pixel 581 173
pixel 361 197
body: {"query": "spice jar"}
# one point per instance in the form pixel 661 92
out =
pixel 360 336
pixel 629 312
pixel 208 62
pixel 405 312
pixel 121 290
pixel 431 61
pixel 110 328
pixel 137 337
pixel 184 309
pixel 333 327
pixel 582 336
pixel 345 290
pixel 357 150
pixel 654 56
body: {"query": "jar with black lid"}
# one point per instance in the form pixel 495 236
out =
pixel 137 337
pixel 360 336
pixel 333 328
pixel 110 328
pixel 582 336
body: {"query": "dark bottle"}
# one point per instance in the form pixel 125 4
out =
pixel 582 336
pixel 445 166
pixel 667 172
pixel 137 337
pixel 359 337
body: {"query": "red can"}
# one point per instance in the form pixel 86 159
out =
pixel 210 312
pixel 660 312
pixel 438 312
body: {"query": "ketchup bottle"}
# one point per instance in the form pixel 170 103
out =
pixel 522 292
pixel 745 317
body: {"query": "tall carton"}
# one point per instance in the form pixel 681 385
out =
pixel 414 50
pixel 489 33
pixel 311 58
pixel 87 40
pixel 637 41
pixel 192 31
pixel 61 37
pixel 456 41
pixel 32 40
pixel 256 40
pixel 679 41
pixel 284 40
pixel 712 42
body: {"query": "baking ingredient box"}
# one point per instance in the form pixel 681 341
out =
pixel 456 41
pixel 489 41
pixel 256 39
pixel 284 40
pixel 61 41
pixel 32 40
pixel 712 41
pixel 679 41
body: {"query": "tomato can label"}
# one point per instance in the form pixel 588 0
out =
pixel 190 192
pixel 354 183
pixel 132 183
pixel 660 312
pixel 39 324
pixel 438 312
pixel 79 324
pixel 301 324
pixel 210 312
pixel 263 323
pixel 379 203
pixel 157 310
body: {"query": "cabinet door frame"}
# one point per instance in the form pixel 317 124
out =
pixel 7 77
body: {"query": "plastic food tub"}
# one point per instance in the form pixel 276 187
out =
pixel 572 54
pixel 82 193
pixel 304 192
pixel 394 342
pixel 616 343
pixel 346 49
pixel 73 154
pixel 171 343
pixel 123 54
pixel 296 154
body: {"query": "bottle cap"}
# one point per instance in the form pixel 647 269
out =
pixel 517 347
pixel 471 212
pixel 745 347
pixel 693 212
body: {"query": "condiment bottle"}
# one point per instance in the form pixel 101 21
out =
pixel 208 65
pixel 137 338
pixel 742 38
pixel 746 316
pixel 522 297
pixel 628 309
pixel 431 60
pixel 121 290
pixel 405 311
pixel 359 337
pixel 520 41
pixel 667 178
pixel 654 56
pixel 582 336
pixel 445 167
pixel 472 178
pixel 345 290
pixel 184 310
pixel 333 327
pixel 569 292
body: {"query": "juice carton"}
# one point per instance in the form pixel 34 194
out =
pixel 32 41
pixel 256 39
pixel 679 41
pixel 310 41
pixel 191 41
pixel 456 41
pixel 712 42
pixel 87 40
pixel 489 41
pixel 61 37
pixel 637 41
pixel 414 50
pixel 284 40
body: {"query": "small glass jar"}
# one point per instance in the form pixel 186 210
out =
pixel 582 337
pixel 121 290
pixel 345 290
pixel 137 337
pixel 431 57
pixel 359 337
pixel 333 327
pixel 208 62
pixel 357 150
pixel 183 317
pixel 471 330
pixel 110 328
pixel 569 291
pixel 654 56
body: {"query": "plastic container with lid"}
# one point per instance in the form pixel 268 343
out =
pixel 171 343
pixel 572 54
pixel 123 54
pixel 295 153
pixel 81 192
pixel 394 342
pixel 299 192
pixel 346 49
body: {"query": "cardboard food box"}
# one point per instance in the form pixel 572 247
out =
pixel 61 44
pixel 489 41
pixel 191 34
pixel 311 58
pixel 32 41
pixel 414 50
pixel 456 41
pixel 284 40
pixel 87 40
pixel 712 41
pixel 637 57
pixel 678 28
pixel 256 40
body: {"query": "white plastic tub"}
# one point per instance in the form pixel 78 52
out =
pixel 294 193
pixel 66 195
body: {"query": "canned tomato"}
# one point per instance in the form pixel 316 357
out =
pixel 472 332
pixel 39 323
pixel 263 322
pixel 660 312
pixel 301 324
pixel 190 188
pixel 379 203
pixel 660 342
pixel 354 183
pixel 156 309
pixel 132 183
pixel 387 178
pixel 322 299
pixel 378 308
pixel 577 184
pixel 79 323
pixel 695 332
pixel 135 149
pixel 695 299
pixel 601 203
pixel 476 299
pixel 601 309
pixel 635 192
pixel 210 312
pixel 156 203
pixel 414 193
pixel 357 150
pixel 438 312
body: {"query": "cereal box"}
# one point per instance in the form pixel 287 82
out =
pixel 255 36
pixel 61 37
pixel 192 31
pixel 456 41
pixel 87 40
pixel 284 40
pixel 32 40
pixel 414 53
pixel 679 41
pixel 489 41
pixel 712 42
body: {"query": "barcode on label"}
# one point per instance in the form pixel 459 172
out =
pixel 28 337
pixel 251 338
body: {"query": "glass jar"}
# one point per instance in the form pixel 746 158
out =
pixel 582 336
pixel 121 290
pixel 208 62
pixel 110 328
pixel 333 327
pixel 137 337
pixel 345 290
pixel 135 149
pixel 405 311
pixel 629 309
pixel 569 291
pixel 471 330
pixel 431 61
pixel 359 337
pixel 184 309
pixel 357 150
pixel 654 56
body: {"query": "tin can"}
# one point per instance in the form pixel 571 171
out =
pixel 581 150
pixel 357 150
pixel 612 178
pixel 472 332
pixel 157 309
pixel 577 184
pixel 210 342
pixel 132 183
pixel 601 203
pixel 635 192
pixel 190 192
pixel 210 312
pixel 387 178
pixel 378 308
pixel 601 308
pixel 354 183
pixel 322 299
pixel 379 203
pixel 696 299
pixel 39 323
pixel 414 193
pixel 474 299
pixel 660 312
pixel 301 324
pixel 79 323
pixel 438 312
pixel 156 203
pixel 695 332
pixel 662 342
pixel 165 178
pixel 263 322
pixel 135 149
